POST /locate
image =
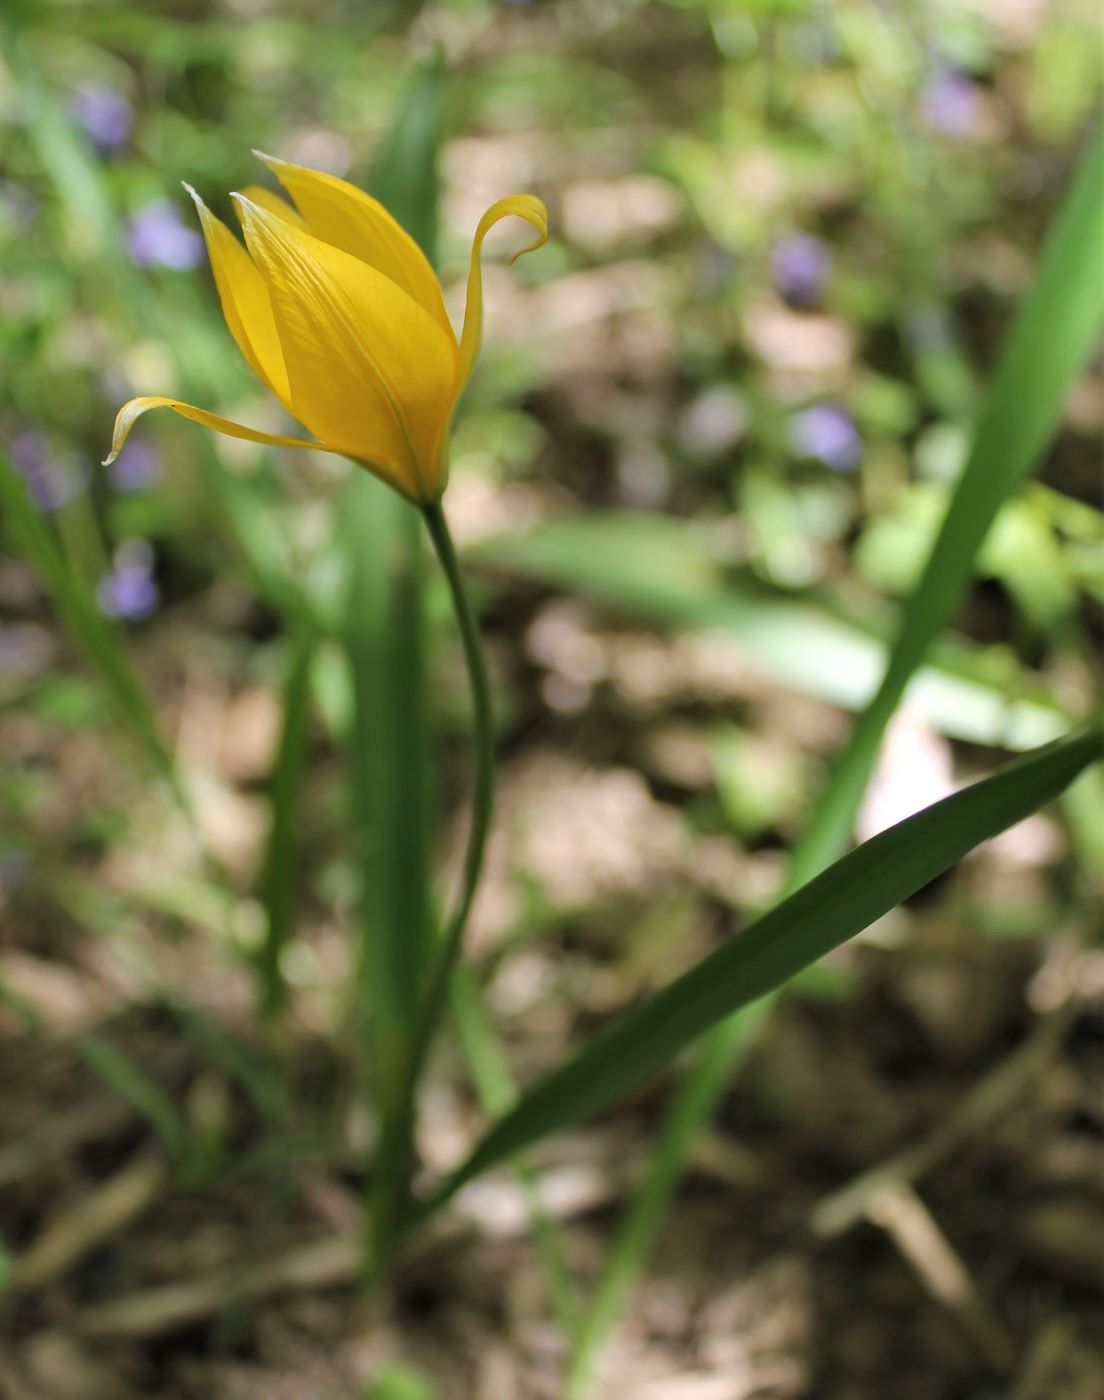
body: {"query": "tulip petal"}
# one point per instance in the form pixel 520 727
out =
pixel 520 206
pixel 273 203
pixel 245 301
pixel 132 411
pixel 370 372
pixel 347 218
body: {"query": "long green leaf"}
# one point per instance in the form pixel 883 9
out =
pixel 839 903
pixel 1051 339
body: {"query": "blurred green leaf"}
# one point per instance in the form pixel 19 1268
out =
pixel 399 1383
pixel 668 573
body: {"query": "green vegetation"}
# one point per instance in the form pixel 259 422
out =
pixel 778 501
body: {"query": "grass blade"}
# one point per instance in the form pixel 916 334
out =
pixel 279 866
pixel 839 903
pixel 497 1094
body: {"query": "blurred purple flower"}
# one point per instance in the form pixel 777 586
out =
pixel 137 467
pixel 50 481
pixel 950 103
pixel 827 431
pixel 129 590
pixel 156 237
pixel 105 115
pixel 799 265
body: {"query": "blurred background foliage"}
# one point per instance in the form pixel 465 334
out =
pixel 713 434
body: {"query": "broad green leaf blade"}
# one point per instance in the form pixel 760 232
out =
pixel 839 903
pixel 406 174
pixel 386 758
pixel 1051 339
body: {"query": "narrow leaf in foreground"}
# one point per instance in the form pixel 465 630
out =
pixel 841 902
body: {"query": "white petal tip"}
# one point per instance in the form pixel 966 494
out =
pixel 268 160
pixel 196 200
pixel 107 461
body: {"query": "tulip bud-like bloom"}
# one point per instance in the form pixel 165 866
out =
pixel 340 315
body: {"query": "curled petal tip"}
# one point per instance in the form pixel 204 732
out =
pixel 270 161
pixel 537 242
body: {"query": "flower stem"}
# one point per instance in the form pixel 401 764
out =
pixel 448 955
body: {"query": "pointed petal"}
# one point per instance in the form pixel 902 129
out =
pixel 370 372
pixel 340 214
pixel 520 206
pixel 267 199
pixel 245 301
pixel 132 411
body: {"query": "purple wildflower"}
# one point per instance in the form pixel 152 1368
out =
pixel 827 431
pixel 156 237
pixel 951 103
pixel 129 590
pixel 799 265
pixel 105 115
pixel 137 467
pixel 51 481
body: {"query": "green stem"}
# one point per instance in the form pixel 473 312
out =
pixel 482 796
pixel 433 1004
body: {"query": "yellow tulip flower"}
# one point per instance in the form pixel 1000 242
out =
pixel 339 313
